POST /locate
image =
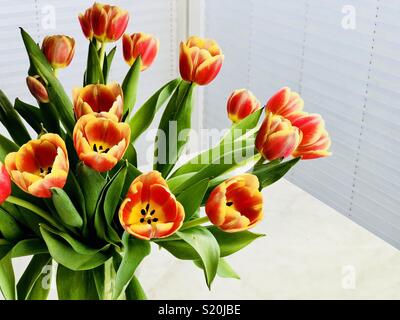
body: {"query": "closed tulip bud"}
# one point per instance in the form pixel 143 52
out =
pixel 59 50
pixel 5 184
pixel 100 140
pixel 140 44
pixel 39 165
pixel 200 60
pixel 277 138
pixel 98 98
pixel 315 140
pixel 285 102
pixel 236 204
pixel 150 210
pixel 241 103
pixel 104 22
pixel 36 87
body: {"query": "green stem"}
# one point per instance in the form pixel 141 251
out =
pixel 260 161
pixel 194 223
pixel 102 54
pixel 27 205
pixel 55 72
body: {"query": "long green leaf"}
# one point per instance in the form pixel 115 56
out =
pixel 134 290
pixel 113 194
pixel 30 114
pixel 41 288
pixel 130 86
pixel 50 117
pixel 94 74
pixel 107 63
pixel 9 227
pixel 65 208
pixel 144 116
pixel 224 269
pixel 31 276
pixel 230 243
pixel 192 197
pixel 11 121
pixel 177 117
pixel 74 191
pixel 204 243
pixel 6 146
pixel 64 254
pixel 7 278
pixel 135 251
pixel 269 173
pixel 76 285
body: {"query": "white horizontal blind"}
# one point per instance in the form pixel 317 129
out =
pixel 350 76
pixel 43 17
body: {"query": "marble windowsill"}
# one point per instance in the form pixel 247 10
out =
pixel 310 252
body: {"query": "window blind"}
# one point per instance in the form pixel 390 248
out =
pixel 348 75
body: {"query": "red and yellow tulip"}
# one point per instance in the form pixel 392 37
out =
pixel 100 141
pixel 236 204
pixel 59 50
pixel 200 60
pixel 140 44
pixel 315 139
pixel 5 184
pixel 37 88
pixel 150 210
pixel 39 165
pixel 98 98
pixel 241 103
pixel 104 22
pixel 277 137
pixel 285 102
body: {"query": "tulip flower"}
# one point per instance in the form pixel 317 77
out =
pixel 5 184
pixel 98 98
pixel 315 140
pixel 59 50
pixel 38 90
pixel 150 210
pixel 104 22
pixel 236 204
pixel 39 165
pixel 200 60
pixel 140 44
pixel 277 138
pixel 285 102
pixel 100 141
pixel 241 103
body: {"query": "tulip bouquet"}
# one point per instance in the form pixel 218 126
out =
pixel 75 195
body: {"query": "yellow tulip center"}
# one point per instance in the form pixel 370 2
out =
pixel 148 215
pixel 100 148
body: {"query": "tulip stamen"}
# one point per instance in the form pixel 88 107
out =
pixel 148 216
pixel 229 203
pixel 44 172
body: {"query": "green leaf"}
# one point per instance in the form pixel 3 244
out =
pixel 41 288
pixel 134 290
pixel 107 63
pixel 228 144
pixel 50 117
pixel 73 189
pixel 28 247
pixel 9 227
pixel 175 182
pixel 99 279
pixel 218 167
pixel 92 184
pixel 269 173
pixel 132 173
pixel 11 121
pixel 230 243
pixel 76 285
pixel 31 276
pixel 113 194
pixel 130 85
pixel 135 251
pixel 7 278
pixel 178 112
pixel 226 271
pixel 192 197
pixel 131 155
pixel 66 209
pixel 57 95
pixel 6 146
pixel 94 74
pixel 204 243
pixel 144 116
pixel 30 114
pixel 64 254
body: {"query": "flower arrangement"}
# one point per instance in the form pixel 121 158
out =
pixel 74 194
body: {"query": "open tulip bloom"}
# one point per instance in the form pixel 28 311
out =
pixel 73 192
